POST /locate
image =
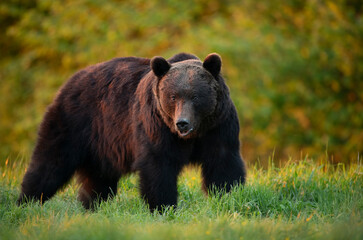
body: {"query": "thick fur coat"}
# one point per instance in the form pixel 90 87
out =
pixel 136 114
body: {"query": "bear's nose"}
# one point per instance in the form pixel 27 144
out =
pixel 183 124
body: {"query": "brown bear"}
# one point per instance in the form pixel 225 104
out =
pixel 136 114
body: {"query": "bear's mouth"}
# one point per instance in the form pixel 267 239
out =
pixel 186 132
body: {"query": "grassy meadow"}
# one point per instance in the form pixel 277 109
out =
pixel 301 200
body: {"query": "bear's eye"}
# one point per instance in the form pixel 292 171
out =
pixel 194 98
pixel 172 98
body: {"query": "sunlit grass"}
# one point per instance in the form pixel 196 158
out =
pixel 300 200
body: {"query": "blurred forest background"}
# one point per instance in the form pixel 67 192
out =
pixel 294 67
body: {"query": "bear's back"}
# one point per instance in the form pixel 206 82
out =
pixel 114 80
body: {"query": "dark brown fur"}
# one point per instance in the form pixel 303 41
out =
pixel 116 117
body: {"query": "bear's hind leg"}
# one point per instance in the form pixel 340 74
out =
pixel 45 175
pixel 56 157
pixel 95 188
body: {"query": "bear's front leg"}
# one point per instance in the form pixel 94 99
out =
pixel 223 170
pixel 158 184
pixel 222 164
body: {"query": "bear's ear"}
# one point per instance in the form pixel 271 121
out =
pixel 213 64
pixel 159 66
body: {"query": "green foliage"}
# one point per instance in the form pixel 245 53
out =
pixel 295 68
pixel 303 200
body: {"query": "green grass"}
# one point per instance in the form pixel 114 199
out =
pixel 303 200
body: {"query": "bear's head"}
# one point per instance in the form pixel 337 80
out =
pixel 187 93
